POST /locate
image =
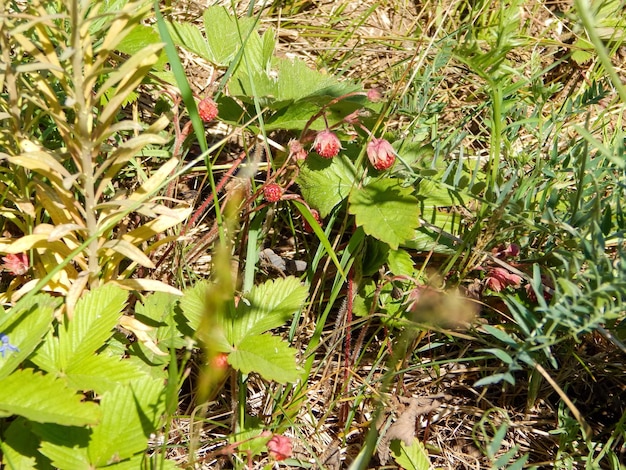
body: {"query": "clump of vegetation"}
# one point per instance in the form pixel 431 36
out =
pixel 223 250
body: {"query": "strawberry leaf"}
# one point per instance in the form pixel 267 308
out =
pixel 267 355
pixel 45 399
pixel 325 183
pixel 267 306
pixel 386 211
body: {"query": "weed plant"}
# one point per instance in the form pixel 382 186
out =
pixel 405 250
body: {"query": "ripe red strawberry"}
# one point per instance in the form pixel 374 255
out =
pixel 272 192
pixel 326 144
pixel 207 109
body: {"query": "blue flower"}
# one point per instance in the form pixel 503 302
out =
pixel 5 345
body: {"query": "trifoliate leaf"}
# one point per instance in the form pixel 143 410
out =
pixel 267 355
pixel 267 306
pixel 226 33
pixel 386 211
pixel 45 399
pixel 325 183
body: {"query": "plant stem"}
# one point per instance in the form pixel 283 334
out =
pixel 82 127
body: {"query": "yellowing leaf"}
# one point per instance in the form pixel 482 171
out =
pixel 62 230
pixel 128 250
pixel 41 162
pixel 158 225
pixel 129 76
pixel 147 285
pixel 155 181
pixel 141 331
pixel 22 244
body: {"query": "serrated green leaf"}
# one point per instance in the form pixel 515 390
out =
pixel 20 447
pixel 325 183
pixel 289 81
pixel 100 373
pixel 96 314
pixel 400 262
pixel 386 211
pixel 225 34
pixel 66 446
pixel 129 414
pixel 160 311
pixel 296 114
pixel 193 303
pixel 189 36
pixel 267 306
pixel 140 37
pixel 25 326
pixel 413 457
pixel 45 399
pixel 267 355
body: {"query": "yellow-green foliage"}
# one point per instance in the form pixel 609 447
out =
pixel 63 141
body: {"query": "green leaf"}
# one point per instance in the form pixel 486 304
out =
pixel 140 37
pixel 193 303
pixel 386 211
pixel 499 353
pixel 325 183
pixel 267 355
pixel 20 447
pixel 267 306
pixel 45 399
pixel 432 194
pixel 225 34
pixel 289 81
pixel 100 373
pixel 66 446
pixel 400 262
pixel 129 415
pixel 500 335
pixel 189 36
pixel 160 311
pixel 413 457
pixel 25 326
pixel 96 314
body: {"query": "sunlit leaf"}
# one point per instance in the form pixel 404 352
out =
pixel 386 210
pixel 325 183
pixel 267 306
pixel 413 457
pixel 266 355
pixel 45 399
pixel 128 250
pixel 96 314
pixel 25 326
pixel 129 414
